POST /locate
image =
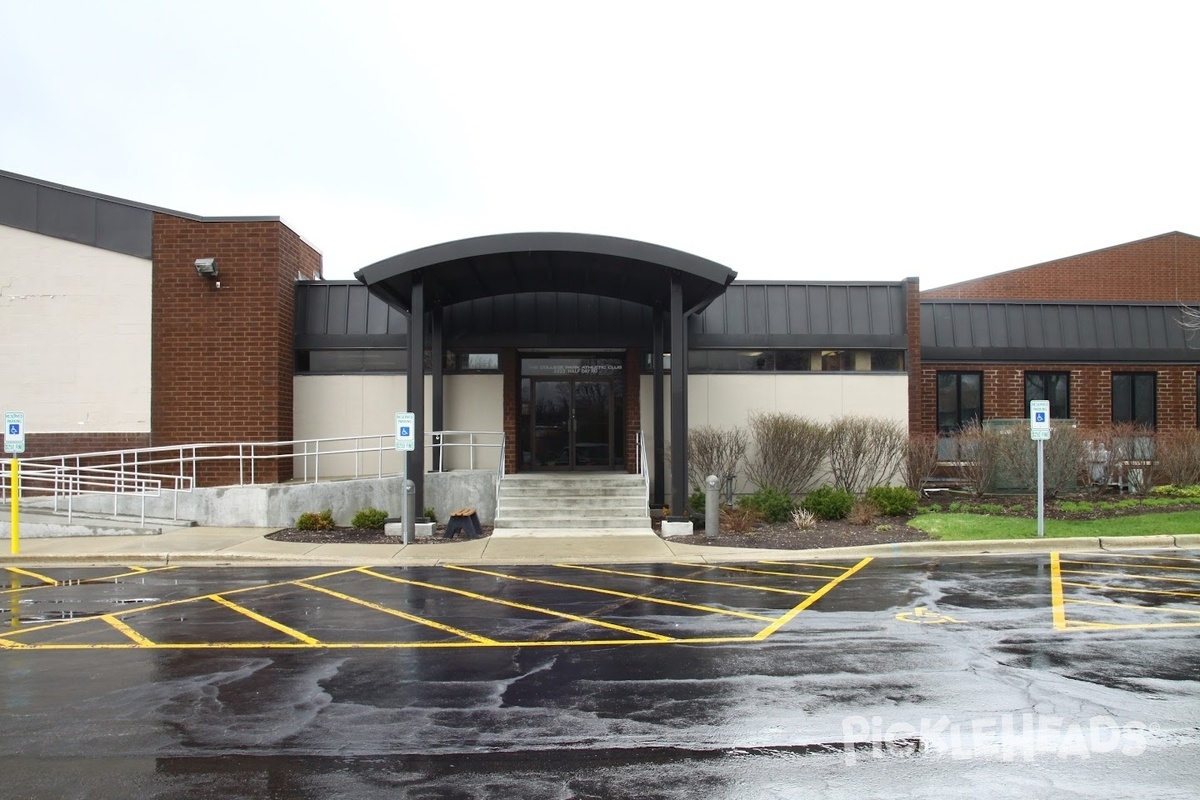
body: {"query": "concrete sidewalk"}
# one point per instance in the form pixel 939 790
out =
pixel 219 546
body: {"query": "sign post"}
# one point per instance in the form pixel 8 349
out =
pixel 406 442
pixel 1039 431
pixel 14 442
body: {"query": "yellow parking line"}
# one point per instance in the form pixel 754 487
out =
pixel 397 613
pixel 802 564
pixel 377 645
pixel 1128 589
pixel 102 579
pixel 754 571
pixel 1133 607
pixel 511 604
pixel 1131 576
pixel 1159 558
pixel 808 601
pixel 295 634
pixel 29 574
pixel 1058 613
pixel 1139 566
pixel 613 593
pixel 682 580
pixel 128 631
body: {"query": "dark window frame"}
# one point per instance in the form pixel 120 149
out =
pixel 1136 415
pixel 1057 411
pixel 961 419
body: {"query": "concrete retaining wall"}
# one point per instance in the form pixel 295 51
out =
pixel 279 505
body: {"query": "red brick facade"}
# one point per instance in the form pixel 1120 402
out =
pixel 1090 392
pixel 1161 269
pixel 912 314
pixel 222 358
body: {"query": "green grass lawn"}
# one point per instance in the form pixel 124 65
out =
pixel 970 527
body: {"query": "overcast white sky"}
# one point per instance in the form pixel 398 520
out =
pixel 790 140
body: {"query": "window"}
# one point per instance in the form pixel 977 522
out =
pixel 1133 398
pixel 959 399
pixel 1052 386
pixel 729 360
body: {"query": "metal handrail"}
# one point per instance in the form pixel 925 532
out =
pixel 57 483
pixel 643 465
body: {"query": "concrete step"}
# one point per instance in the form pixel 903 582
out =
pixel 561 501
pixel 564 510
pixel 574 522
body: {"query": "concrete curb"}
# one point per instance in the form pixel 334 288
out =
pixel 700 554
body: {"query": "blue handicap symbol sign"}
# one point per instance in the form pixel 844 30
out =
pixel 405 430
pixel 1040 416
pixel 14 429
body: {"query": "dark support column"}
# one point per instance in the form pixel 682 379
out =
pixel 660 427
pixel 679 426
pixel 416 389
pixel 438 412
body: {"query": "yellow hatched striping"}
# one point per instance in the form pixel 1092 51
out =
pixel 270 623
pixel 803 564
pixel 34 575
pixel 612 593
pixel 746 570
pixel 1076 562
pixel 808 601
pixel 128 631
pixel 135 571
pixel 1126 575
pixel 1155 609
pixel 522 606
pixel 1158 558
pixel 682 580
pixel 1132 590
pixel 397 613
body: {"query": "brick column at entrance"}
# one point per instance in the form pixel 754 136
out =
pixel 510 365
pixel 633 406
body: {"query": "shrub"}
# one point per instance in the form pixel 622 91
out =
pixel 772 504
pixel 788 451
pixel 865 451
pixel 862 513
pixel 372 518
pixel 803 520
pixel 829 503
pixel 318 521
pixel 920 460
pixel 714 451
pixel 697 502
pixel 429 514
pixel 1177 457
pixel 739 520
pixel 893 501
pixel 1173 490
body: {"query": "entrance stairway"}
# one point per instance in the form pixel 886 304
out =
pixel 572 502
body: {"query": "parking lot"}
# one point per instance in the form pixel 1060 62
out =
pixel 557 605
pixel 922 675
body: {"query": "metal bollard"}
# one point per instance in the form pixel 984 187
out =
pixel 712 507
pixel 410 510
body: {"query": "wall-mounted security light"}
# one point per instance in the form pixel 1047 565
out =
pixel 206 267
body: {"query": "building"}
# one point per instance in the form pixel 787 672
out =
pixel 128 326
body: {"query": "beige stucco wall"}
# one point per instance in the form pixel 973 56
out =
pixel 726 401
pixel 327 406
pixel 74 335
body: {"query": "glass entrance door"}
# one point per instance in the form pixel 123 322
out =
pixel 572 423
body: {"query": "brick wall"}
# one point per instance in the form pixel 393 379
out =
pixel 1160 269
pixel 222 358
pixel 633 407
pixel 1091 392
pixel 510 366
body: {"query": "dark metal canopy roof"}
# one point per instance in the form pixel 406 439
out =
pixel 512 263
pixel 1050 332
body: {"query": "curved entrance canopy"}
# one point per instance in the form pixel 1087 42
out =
pixel 674 283
pixel 511 263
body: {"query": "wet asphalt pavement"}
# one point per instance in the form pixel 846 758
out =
pixel 1016 676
